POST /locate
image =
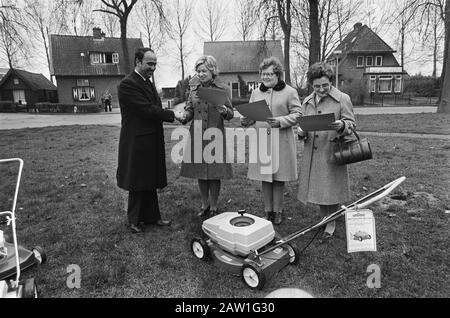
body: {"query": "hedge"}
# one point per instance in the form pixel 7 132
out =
pixel 7 106
pixel 68 108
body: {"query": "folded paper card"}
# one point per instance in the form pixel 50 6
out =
pixel 316 122
pixel 258 111
pixel 213 95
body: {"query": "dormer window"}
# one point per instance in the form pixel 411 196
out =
pixel 104 58
pixel 16 81
pixel 378 61
pixel 360 61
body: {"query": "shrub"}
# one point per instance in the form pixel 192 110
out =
pixel 419 85
pixel 7 106
pixel 68 108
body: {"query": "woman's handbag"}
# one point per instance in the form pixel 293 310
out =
pixel 351 151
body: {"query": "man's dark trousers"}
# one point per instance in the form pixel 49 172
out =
pixel 143 207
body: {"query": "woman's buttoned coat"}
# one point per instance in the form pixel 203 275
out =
pixel 279 142
pixel 205 156
pixel 320 180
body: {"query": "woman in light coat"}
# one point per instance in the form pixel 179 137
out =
pixel 205 115
pixel 275 137
pixel 321 181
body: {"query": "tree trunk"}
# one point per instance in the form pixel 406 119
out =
pixel 444 98
pixel 181 58
pixel 124 42
pixel 314 29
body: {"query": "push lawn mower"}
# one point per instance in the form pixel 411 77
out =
pixel 14 258
pixel 248 245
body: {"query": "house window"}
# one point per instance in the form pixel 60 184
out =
pixel 16 81
pixel 360 61
pixel 385 84
pixel 369 60
pixel 104 58
pixel 115 58
pixel 378 61
pixel 234 89
pixel 19 97
pixel 372 83
pixel 83 93
pixel 82 82
pixel 398 84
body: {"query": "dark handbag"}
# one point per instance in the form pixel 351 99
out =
pixel 351 151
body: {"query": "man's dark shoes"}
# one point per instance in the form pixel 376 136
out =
pixel 135 229
pixel 163 222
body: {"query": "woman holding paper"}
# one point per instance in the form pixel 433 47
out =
pixel 201 160
pixel 321 181
pixel 276 150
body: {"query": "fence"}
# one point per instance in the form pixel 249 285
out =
pixel 396 99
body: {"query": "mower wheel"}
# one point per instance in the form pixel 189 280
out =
pixel 30 289
pixel 199 248
pixel 293 254
pixel 39 254
pixel 253 276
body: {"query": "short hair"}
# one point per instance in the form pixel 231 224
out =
pixel 318 70
pixel 140 52
pixel 209 62
pixel 272 61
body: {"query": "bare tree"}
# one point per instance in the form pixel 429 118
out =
pixel 283 15
pixel 442 7
pixel 213 21
pixel 12 41
pixel 246 17
pixel 122 10
pixel 111 24
pixel 43 18
pixel 155 28
pixel 314 31
pixel 182 20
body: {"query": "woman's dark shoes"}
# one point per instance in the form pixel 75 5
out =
pixel 135 229
pixel 326 236
pixel 161 222
pixel 270 216
pixel 204 212
pixel 278 218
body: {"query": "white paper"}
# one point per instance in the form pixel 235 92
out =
pixel 360 229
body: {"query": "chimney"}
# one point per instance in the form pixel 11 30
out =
pixel 97 33
pixel 357 26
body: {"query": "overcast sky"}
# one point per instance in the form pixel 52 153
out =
pixel 168 72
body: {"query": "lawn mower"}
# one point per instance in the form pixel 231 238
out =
pixel 14 258
pixel 247 245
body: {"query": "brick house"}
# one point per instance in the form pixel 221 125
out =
pixel 366 65
pixel 86 66
pixel 25 88
pixel 238 62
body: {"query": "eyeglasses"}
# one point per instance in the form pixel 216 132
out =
pixel 151 64
pixel 267 74
pixel 318 86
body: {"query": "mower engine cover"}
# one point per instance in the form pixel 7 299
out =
pixel 239 234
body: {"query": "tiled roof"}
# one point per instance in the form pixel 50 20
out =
pixel 67 55
pixel 242 56
pixel 363 39
pixel 34 80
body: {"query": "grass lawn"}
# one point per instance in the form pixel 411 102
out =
pixel 70 205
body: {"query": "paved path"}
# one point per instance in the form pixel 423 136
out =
pixel 32 120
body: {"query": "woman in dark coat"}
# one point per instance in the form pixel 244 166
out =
pixel 208 167
pixel 321 181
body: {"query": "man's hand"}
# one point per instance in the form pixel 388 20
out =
pixel 179 115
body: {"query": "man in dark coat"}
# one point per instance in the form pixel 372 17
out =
pixel 142 163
